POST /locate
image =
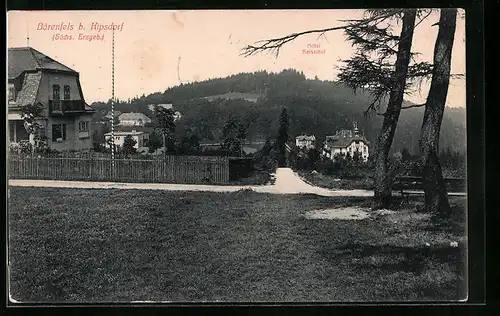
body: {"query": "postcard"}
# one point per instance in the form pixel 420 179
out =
pixel 237 156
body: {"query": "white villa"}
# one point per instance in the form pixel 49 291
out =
pixel 305 141
pixel 346 142
pixel 133 119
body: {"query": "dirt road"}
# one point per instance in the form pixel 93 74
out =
pixel 287 182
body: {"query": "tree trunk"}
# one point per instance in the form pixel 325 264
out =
pixel 383 190
pixel 436 198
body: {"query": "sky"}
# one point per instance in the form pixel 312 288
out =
pixel 155 50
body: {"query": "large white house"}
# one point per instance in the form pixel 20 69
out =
pixel 346 142
pixel 133 119
pixel 305 141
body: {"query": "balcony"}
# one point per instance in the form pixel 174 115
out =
pixel 66 107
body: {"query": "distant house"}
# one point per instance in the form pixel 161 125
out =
pixel 34 77
pixel 133 119
pixel 305 142
pixel 177 114
pixel 346 142
pixel 152 107
pixel 140 137
pixel 108 116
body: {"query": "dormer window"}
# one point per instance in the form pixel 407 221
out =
pixel 67 93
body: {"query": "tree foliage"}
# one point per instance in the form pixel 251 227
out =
pixel 166 124
pixel 155 141
pixel 31 114
pixel 233 135
pixel 372 67
pixel 129 145
pixel 189 143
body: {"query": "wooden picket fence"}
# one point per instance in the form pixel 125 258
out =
pixel 169 169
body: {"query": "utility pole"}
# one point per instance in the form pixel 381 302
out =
pixel 113 101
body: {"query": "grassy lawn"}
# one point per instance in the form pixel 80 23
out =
pixel 334 183
pixel 121 245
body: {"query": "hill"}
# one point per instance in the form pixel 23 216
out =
pixel 315 107
pixel 252 97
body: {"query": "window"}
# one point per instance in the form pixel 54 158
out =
pixel 67 94
pixel 56 96
pixel 58 132
pixel 83 126
pixel 12 93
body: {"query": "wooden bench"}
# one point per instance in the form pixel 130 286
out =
pixel 414 185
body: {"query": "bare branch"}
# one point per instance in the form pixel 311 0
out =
pixel 275 44
pixel 412 106
pixel 457 76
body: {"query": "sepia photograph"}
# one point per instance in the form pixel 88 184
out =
pixel 237 156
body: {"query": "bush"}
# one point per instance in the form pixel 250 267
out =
pixel 304 159
pixel 266 159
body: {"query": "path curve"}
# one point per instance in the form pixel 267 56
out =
pixel 287 182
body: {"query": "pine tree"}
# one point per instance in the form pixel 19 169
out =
pixel 436 197
pixel 383 79
pixel 283 136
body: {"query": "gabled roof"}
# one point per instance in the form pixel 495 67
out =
pixel 117 113
pixel 342 142
pixel 22 59
pixel 134 116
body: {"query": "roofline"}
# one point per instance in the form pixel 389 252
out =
pixel 33 49
pixel 38 69
pixel 348 144
pixel 80 88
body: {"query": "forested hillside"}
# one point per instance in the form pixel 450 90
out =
pixel 315 107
